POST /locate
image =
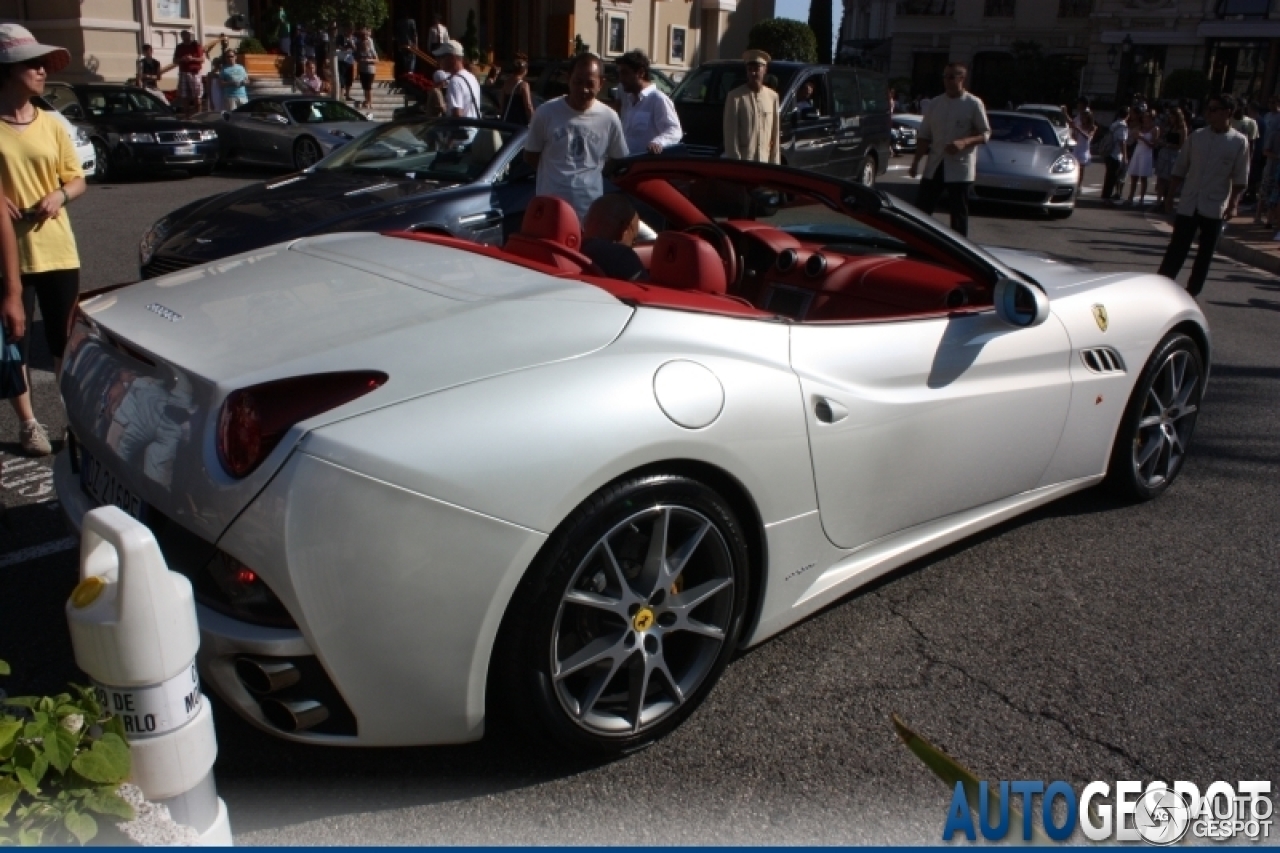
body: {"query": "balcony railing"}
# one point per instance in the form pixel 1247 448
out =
pixel 944 8
pixel 1074 8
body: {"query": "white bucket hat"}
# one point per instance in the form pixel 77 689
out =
pixel 18 45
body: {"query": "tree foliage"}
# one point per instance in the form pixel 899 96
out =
pixel 820 22
pixel 784 39
pixel 367 13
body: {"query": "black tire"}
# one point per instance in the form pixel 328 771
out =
pixel 306 153
pixel 1059 213
pixel 102 169
pixel 593 708
pixel 867 171
pixel 1155 432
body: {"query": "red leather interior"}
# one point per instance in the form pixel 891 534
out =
pixel 552 235
pixel 888 287
pixel 684 262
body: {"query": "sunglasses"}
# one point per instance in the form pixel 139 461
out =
pixel 952 76
pixel 755 65
pixel 38 62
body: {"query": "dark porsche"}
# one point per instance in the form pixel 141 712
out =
pixel 461 177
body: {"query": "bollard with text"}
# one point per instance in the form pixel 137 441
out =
pixel 133 627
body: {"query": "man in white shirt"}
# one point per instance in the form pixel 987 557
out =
pixel 1212 169
pixel 572 137
pixel 649 120
pixel 437 34
pixel 1117 154
pixel 950 133
pixel 463 96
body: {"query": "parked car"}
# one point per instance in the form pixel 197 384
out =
pixel 133 130
pixel 424 488
pixel 1054 114
pixel 906 127
pixel 846 135
pixel 1025 164
pixel 294 131
pixel 456 176
pixel 79 137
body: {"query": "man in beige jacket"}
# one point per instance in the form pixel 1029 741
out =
pixel 751 115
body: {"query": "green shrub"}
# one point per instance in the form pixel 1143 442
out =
pixel 251 45
pixel 782 39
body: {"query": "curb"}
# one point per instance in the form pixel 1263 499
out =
pixel 1246 253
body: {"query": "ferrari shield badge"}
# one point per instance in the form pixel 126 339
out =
pixel 1100 316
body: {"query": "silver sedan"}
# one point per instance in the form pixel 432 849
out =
pixel 1026 164
pixel 294 131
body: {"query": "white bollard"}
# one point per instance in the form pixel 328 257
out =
pixel 133 627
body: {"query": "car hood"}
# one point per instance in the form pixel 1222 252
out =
pixel 293 206
pixel 430 317
pixel 146 124
pixel 1055 277
pixel 1017 157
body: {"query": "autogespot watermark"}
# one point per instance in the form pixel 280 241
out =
pixel 1158 814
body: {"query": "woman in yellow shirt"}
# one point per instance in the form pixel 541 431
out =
pixel 40 175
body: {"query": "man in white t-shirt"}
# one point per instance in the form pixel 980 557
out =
pixel 573 136
pixel 462 98
pixel 950 132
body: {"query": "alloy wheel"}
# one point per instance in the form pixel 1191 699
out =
pixel 643 621
pixel 305 153
pixel 1167 419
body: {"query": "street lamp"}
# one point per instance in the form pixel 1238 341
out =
pixel 1122 61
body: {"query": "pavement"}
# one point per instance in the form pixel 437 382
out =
pixel 1091 639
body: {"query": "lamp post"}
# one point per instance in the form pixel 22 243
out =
pixel 1122 61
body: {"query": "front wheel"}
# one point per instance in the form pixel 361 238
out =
pixel 1158 421
pixel 102 169
pixel 306 152
pixel 867 171
pixel 628 618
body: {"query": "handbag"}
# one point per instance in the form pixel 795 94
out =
pixel 12 381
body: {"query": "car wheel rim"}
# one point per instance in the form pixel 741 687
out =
pixel 307 153
pixel 102 160
pixel 643 621
pixel 1166 421
pixel 868 173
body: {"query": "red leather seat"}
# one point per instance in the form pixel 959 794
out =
pixel 684 262
pixel 552 235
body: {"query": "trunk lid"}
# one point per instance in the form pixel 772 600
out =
pixel 144 390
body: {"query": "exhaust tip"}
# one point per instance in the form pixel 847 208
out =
pixel 266 676
pixel 295 715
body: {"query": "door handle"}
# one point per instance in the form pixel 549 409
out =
pixel 828 411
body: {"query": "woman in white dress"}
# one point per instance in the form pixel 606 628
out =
pixel 1083 128
pixel 1143 164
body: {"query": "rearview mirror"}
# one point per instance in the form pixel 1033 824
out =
pixel 1020 304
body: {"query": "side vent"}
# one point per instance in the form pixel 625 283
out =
pixel 1102 360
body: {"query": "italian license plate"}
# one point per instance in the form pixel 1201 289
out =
pixel 103 486
pixel 184 150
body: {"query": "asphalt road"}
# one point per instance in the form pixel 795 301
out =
pixel 1088 640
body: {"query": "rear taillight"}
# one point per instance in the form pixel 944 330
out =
pixel 239 591
pixel 254 419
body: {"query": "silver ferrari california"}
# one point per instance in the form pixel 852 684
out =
pixel 423 486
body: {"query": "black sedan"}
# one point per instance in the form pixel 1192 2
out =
pixel 133 130
pixel 462 177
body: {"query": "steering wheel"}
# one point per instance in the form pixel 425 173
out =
pixel 723 244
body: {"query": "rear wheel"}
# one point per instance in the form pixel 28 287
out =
pixel 1158 421
pixel 624 624
pixel 867 171
pixel 306 152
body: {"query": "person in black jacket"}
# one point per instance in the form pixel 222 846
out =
pixel 406 40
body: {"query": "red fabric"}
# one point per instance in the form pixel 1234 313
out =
pixel 684 262
pixel 189 57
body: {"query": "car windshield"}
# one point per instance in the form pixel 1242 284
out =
pixel 1026 129
pixel 435 149
pixel 712 84
pixel 805 217
pixel 1055 117
pixel 321 110
pixel 114 102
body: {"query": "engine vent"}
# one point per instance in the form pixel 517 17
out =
pixel 1102 360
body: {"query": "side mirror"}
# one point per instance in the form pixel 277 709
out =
pixel 1019 304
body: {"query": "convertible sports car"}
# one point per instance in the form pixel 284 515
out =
pixel 1025 164
pixel 454 176
pixel 423 485
pixel 292 131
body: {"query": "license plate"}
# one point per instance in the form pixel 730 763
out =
pixel 184 150
pixel 103 486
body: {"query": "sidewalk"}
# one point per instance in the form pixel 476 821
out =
pixel 1241 241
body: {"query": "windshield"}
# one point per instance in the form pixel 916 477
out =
pixel 1031 130
pixel 711 84
pixel 314 112
pixel 442 150
pixel 114 102
pixel 1055 117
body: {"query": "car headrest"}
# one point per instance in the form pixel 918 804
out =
pixel 485 145
pixel 551 218
pixel 684 262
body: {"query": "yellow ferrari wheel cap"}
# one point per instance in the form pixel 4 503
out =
pixel 87 592
pixel 643 620
pixel 1100 316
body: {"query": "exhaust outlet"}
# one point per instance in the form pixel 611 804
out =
pixel 267 676
pixel 295 715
